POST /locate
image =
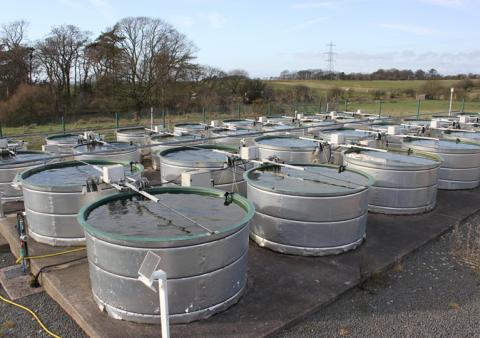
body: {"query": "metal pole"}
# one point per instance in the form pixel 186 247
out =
pixel 380 108
pixel 163 118
pixel 269 110
pixel 1 131
pixel 346 105
pixel 238 110
pixel 117 122
pixel 451 100
pixel 462 108
pixel 151 118
pixel 418 109
pixel 63 124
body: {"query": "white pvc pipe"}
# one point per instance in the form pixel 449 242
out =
pixel 163 297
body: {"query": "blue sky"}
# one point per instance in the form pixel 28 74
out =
pixel 266 37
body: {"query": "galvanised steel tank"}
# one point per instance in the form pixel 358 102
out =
pixel 12 163
pixel 166 138
pixel 226 176
pixel 283 129
pixel 274 119
pixel 236 137
pixel 350 135
pixel 289 149
pixel 64 142
pixel 316 126
pixel 405 182
pixel 239 124
pixel 467 136
pixel 460 168
pixel 139 136
pixel 67 186
pixel 206 269
pixel 314 212
pixel 189 128
pixel 112 151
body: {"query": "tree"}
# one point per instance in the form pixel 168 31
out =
pixel 59 54
pixel 15 57
pixel 153 55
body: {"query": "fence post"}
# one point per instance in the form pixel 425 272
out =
pixel 418 109
pixel 1 130
pixel 238 110
pixel 116 120
pixel 462 108
pixel 380 108
pixel 346 105
pixel 63 124
pixel 204 115
pixel 163 119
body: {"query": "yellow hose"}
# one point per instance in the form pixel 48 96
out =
pixel 33 314
pixel 49 255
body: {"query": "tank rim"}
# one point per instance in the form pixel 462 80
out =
pixel 24 175
pixel 370 182
pixel 242 202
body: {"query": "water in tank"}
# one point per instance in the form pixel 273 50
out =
pixel 65 142
pixel 111 151
pixel 200 236
pixel 67 186
pixel 14 162
pixel 181 140
pixel 315 211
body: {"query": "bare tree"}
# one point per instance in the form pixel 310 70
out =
pixel 59 53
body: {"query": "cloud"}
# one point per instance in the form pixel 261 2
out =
pixel 415 30
pixel 444 3
pixel 214 19
pixel 103 7
pixel 305 24
pixel 182 21
pixel 313 5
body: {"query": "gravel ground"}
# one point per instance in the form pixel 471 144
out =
pixel 429 294
pixel 15 322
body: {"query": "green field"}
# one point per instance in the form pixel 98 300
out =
pixel 361 86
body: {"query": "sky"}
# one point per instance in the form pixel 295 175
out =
pixel 265 37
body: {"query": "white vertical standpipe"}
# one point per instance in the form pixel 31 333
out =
pixel 151 118
pixel 163 296
pixel 451 99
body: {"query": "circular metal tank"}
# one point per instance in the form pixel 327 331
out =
pixel 206 271
pixel 64 142
pixel 350 135
pixel 289 149
pixel 236 137
pixel 11 165
pixel 175 161
pixel 238 124
pixel 165 138
pixel 283 129
pixel 314 212
pixel 67 186
pixel 112 151
pixel 135 135
pixel 461 135
pixel 460 168
pixel 280 119
pixel 405 182
pixel 189 128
